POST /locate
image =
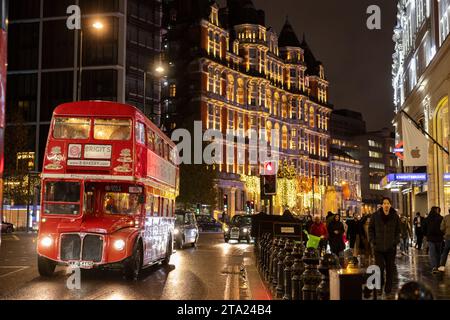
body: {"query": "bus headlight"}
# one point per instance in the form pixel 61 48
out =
pixel 119 245
pixel 176 231
pixel 245 230
pixel 46 241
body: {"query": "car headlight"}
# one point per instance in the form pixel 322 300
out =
pixel 46 241
pixel 176 231
pixel 119 245
pixel 245 230
pixel 226 229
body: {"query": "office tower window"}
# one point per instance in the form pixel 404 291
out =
pixel 56 8
pixel 101 48
pixel 23 46
pixel 24 9
pixel 57 45
pixel 95 6
pixel 99 85
pixel 56 88
pixel 21 99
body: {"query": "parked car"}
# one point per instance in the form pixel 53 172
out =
pixel 238 229
pixel 7 227
pixel 207 223
pixel 186 229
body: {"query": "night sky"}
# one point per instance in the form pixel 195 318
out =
pixel 357 60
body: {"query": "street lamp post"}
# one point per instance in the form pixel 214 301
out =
pixel 159 71
pixel 97 25
pixel 30 173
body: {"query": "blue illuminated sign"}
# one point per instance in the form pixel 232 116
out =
pixel 411 177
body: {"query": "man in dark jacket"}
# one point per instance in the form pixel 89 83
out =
pixel 435 237
pixel 384 236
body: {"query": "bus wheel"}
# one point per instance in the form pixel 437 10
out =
pixel 133 266
pixel 46 267
pixel 169 250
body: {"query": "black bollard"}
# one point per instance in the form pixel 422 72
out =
pixel 328 261
pixel 297 270
pixel 265 251
pixel 269 259
pixel 274 272
pixel 279 288
pixel 288 262
pixel 311 277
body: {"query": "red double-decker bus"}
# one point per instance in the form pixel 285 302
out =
pixel 109 183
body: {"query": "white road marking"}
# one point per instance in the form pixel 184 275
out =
pixel 232 283
pixel 21 268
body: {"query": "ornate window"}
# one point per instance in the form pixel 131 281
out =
pixel 240 91
pixel 284 107
pixel 230 88
pixel 311 117
pixel 284 138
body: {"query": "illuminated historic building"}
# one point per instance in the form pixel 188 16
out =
pixel 421 88
pixel 233 72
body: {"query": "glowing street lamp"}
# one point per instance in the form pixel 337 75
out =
pixel 98 25
pixel 160 69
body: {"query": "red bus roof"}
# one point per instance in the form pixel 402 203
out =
pixel 96 108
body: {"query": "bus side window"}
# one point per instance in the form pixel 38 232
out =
pixel 150 139
pixel 149 205
pixel 166 151
pixel 156 206
pixel 140 133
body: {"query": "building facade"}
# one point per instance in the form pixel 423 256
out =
pixel 346 181
pixel 233 73
pixel 374 152
pixel 421 82
pixel 44 66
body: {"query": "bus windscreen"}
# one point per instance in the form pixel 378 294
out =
pixel 112 129
pixel 62 197
pixel 71 128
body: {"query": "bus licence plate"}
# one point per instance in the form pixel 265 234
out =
pixel 81 264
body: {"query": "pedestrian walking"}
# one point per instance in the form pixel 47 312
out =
pixel 384 235
pixel 445 228
pixel 319 229
pixel 418 230
pixel 335 235
pixel 405 235
pixel 435 237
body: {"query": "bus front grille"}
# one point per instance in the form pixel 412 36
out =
pixel 92 248
pixel 70 247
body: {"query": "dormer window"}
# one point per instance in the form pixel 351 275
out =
pixel 214 16
pixel 321 72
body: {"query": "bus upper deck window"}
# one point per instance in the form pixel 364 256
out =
pixel 112 129
pixel 71 128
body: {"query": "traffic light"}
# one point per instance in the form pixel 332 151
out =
pixel 269 168
pixel 269 185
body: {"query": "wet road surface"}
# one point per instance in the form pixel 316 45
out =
pixel 211 271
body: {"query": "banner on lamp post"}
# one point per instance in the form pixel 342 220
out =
pixel 415 145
